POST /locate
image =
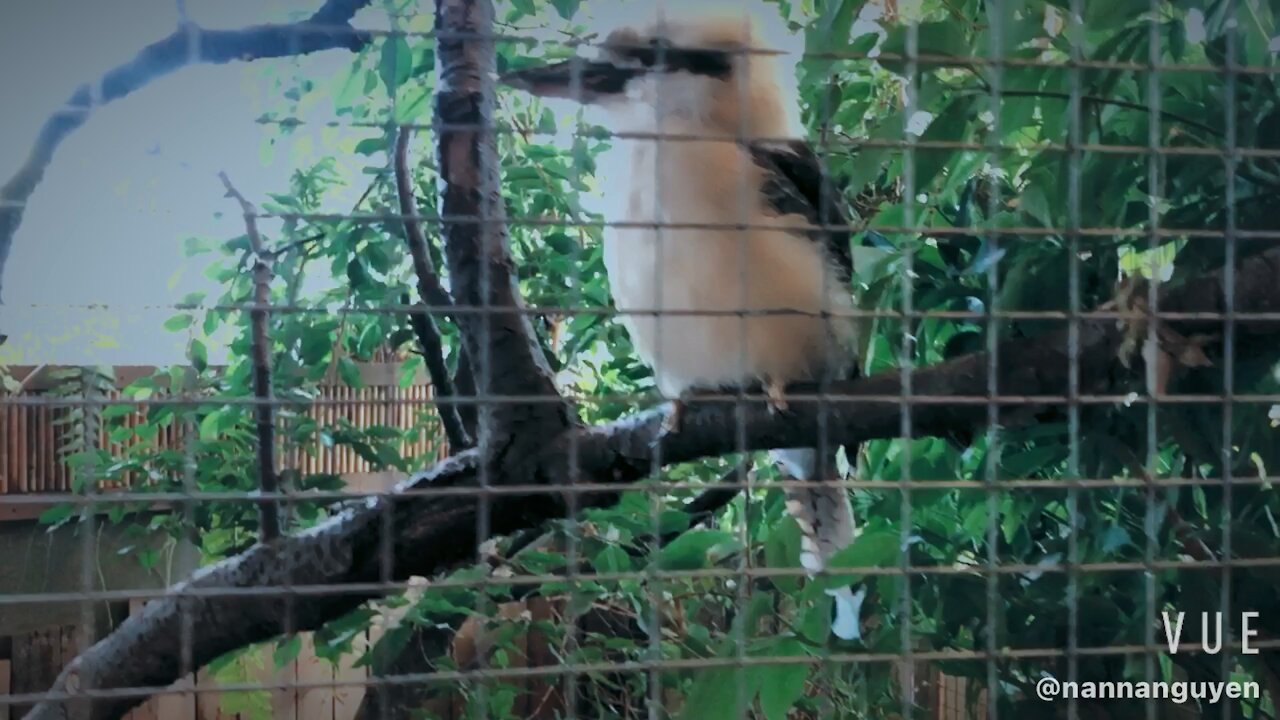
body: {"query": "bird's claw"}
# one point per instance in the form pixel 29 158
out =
pixel 674 419
pixel 775 396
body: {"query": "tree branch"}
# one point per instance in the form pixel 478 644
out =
pixel 269 524
pixel 328 28
pixel 464 384
pixel 432 294
pixel 500 342
pixel 1099 100
pixel 145 652
pixel 426 643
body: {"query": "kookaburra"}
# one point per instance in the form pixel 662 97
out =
pixel 731 265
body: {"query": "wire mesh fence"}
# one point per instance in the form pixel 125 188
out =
pixel 1005 272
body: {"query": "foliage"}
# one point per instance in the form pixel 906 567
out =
pixel 999 204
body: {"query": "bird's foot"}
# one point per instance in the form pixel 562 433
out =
pixel 674 419
pixel 775 395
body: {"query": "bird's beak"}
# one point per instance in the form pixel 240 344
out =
pixel 586 81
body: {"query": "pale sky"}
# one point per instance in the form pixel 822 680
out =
pixel 106 227
pixel 107 224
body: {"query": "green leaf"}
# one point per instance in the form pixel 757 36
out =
pixel 178 323
pixel 58 514
pixel 830 32
pixel 349 372
pixel 210 426
pixel 371 337
pixel 673 521
pixel 348 89
pixel 876 548
pixel 716 692
pixel 409 370
pixel 287 651
pixel 395 64
pixel 951 125
pixel 697 549
pixel 412 105
pixel 932 38
pixel 612 559
pixel 199 355
pixel 370 146
pixel 566 8
pixel 782 550
pixel 112 412
pixel 1177 39
pixel 1113 14
pixel 782 685
pixel 815 624
pixel 316 343
pixel 357 274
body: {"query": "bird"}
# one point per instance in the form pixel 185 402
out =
pixel 731 266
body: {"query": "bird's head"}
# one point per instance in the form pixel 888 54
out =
pixel 709 71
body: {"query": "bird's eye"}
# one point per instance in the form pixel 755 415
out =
pixel 655 52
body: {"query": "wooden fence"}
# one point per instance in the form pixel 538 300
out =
pixel 33 435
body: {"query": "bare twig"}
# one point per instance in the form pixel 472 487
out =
pixel 328 28
pixel 432 293
pixel 268 481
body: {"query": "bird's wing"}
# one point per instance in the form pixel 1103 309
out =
pixel 796 183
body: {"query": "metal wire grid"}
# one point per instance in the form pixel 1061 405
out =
pixel 991 567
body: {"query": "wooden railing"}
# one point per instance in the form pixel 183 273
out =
pixel 33 435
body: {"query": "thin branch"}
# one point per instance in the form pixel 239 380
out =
pixel 430 289
pixel 432 347
pixel 303 242
pixel 328 28
pixel 711 501
pixel 1099 100
pixel 432 293
pixel 269 524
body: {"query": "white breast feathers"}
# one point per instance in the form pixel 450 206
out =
pixel 709 304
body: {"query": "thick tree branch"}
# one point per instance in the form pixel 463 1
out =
pixel 269 525
pixel 426 643
pixel 499 347
pixel 432 294
pixel 145 652
pixel 464 384
pixel 328 28
pixel 500 342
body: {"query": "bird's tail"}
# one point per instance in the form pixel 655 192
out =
pixel 826 527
